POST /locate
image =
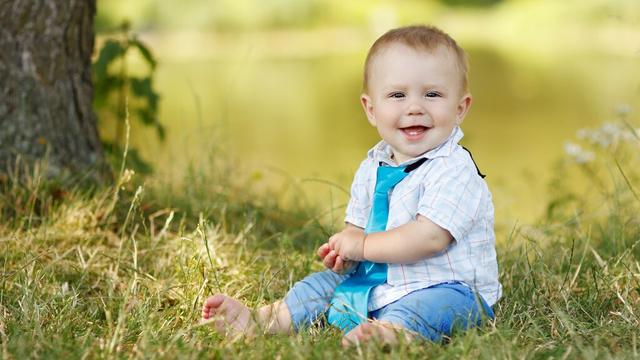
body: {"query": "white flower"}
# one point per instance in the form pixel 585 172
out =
pixel 579 155
pixel 623 110
pixel 571 148
pixel 611 129
pixel 583 134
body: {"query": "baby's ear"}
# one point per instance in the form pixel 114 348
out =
pixel 463 107
pixel 367 105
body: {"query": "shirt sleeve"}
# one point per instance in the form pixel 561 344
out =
pixel 452 198
pixel 359 205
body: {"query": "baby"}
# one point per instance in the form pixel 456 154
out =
pixel 417 255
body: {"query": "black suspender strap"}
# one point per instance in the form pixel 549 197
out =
pixel 415 165
pixel 474 163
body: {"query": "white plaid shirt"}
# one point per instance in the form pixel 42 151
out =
pixel 447 190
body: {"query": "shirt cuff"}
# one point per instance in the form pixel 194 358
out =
pixel 438 220
pixel 358 221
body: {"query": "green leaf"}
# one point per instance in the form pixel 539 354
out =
pixel 146 116
pixel 145 52
pixel 143 88
pixel 111 50
pixel 160 130
pixel 104 87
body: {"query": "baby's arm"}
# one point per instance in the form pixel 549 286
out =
pixel 408 243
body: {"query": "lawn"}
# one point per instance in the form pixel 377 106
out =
pixel 121 272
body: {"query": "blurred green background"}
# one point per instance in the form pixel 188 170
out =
pixel 274 85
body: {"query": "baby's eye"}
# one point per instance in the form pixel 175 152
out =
pixel 396 95
pixel 432 94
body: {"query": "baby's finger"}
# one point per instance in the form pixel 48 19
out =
pixel 336 247
pixel 339 265
pixel 323 250
pixel 332 242
pixel 329 260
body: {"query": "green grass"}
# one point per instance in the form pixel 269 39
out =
pixel 122 272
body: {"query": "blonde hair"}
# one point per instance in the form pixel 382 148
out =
pixel 419 37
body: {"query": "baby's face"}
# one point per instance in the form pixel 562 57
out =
pixel 414 98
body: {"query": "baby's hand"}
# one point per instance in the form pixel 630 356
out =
pixel 348 244
pixel 333 261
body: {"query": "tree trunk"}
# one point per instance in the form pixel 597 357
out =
pixel 45 86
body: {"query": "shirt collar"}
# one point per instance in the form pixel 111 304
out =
pixel 382 152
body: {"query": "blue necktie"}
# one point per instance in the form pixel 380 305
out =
pixel 349 305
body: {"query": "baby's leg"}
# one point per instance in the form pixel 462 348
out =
pixel 310 297
pixel 305 301
pixel 430 313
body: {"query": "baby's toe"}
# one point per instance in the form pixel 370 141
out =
pixel 366 329
pixel 360 333
pixel 206 313
pixel 214 301
pixel 350 338
pixel 348 341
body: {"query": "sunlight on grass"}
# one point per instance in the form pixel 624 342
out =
pixel 81 278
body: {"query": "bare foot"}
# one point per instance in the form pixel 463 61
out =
pixel 380 331
pixel 227 315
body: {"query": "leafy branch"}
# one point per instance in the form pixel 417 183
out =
pixel 114 83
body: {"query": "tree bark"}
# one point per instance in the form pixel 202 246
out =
pixel 45 86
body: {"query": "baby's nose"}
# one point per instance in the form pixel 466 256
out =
pixel 415 109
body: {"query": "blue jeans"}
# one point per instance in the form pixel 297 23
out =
pixel 431 312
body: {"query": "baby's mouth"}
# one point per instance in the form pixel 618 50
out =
pixel 414 130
